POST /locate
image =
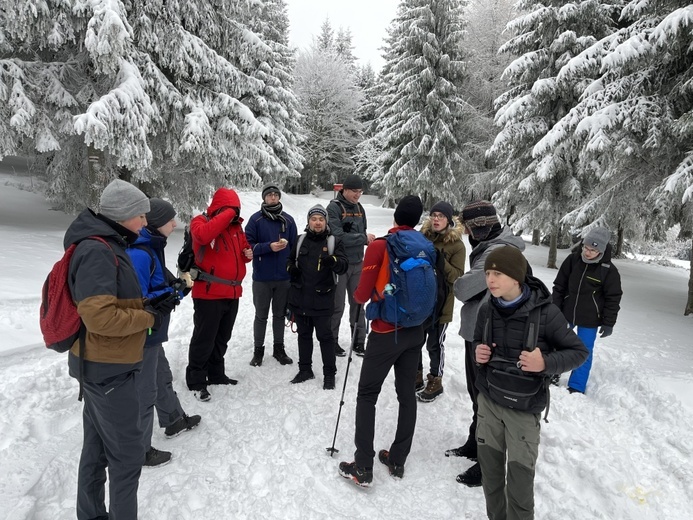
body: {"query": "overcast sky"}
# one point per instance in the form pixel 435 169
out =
pixel 367 19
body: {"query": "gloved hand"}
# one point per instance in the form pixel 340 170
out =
pixel 158 318
pixel 180 286
pixel 605 331
pixel 164 303
pixel 293 270
pixel 238 213
pixel 347 227
pixel 328 261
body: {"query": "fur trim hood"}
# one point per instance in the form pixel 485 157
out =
pixel 451 233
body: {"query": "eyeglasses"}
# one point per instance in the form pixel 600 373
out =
pixel 438 216
pixel 359 192
pixel 590 250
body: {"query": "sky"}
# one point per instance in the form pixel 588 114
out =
pixel 367 19
pixel 622 451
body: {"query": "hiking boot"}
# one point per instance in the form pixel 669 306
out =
pixel 302 376
pixel 258 354
pixel 183 424
pixel 419 381
pixel 328 382
pixel 468 450
pixel 434 388
pixel 471 477
pixel 202 395
pixel 361 476
pixel 574 391
pixel 339 351
pixel 156 458
pixel 396 470
pixel 280 355
pixel 554 380
pixel 223 380
pixel 360 350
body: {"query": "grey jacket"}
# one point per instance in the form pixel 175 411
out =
pixel 470 288
pixel 343 213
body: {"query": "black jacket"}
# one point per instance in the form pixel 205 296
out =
pixel 312 283
pixel 588 294
pixel 560 346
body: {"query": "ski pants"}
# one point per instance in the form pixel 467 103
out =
pixel 401 350
pixel 113 439
pixel 435 345
pixel 579 376
pixel 276 294
pixel 507 436
pixel 321 324
pixel 213 320
pixel 346 286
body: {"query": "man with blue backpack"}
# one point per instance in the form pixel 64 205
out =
pixel 399 279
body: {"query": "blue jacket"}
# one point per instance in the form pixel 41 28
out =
pixel 260 231
pixel 147 256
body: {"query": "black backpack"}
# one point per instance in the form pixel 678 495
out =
pixel 186 256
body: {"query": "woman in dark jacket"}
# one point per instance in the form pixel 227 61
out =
pixel 313 267
pixel 588 291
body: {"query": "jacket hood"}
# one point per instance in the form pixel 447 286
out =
pixel 224 198
pixel 449 235
pixel 88 224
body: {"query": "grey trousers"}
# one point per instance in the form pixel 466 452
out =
pixel 265 294
pixel 502 432
pixel 113 439
pixel 346 285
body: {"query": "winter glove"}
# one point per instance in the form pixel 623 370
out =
pixel 328 261
pixel 158 318
pixel 180 286
pixel 164 303
pixel 605 331
pixel 293 270
pixel 347 227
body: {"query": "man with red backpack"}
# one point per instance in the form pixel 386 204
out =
pixel 109 301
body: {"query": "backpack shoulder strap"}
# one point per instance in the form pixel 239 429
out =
pixel 301 238
pixel 533 322
pixel 330 244
pixel 144 248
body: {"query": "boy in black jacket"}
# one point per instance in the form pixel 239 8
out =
pixel 512 379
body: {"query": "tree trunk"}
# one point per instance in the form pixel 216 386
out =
pixel 618 250
pixel 536 237
pixel 689 303
pixel 553 250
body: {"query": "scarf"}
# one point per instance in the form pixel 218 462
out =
pixel 274 212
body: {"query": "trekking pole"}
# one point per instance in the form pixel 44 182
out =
pixel 332 450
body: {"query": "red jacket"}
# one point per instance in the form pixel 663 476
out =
pixel 375 274
pixel 224 240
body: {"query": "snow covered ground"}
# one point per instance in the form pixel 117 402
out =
pixel 622 451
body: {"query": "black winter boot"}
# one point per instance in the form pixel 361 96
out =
pixel 303 375
pixel 280 355
pixel 258 353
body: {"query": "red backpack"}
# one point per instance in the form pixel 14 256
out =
pixel 59 321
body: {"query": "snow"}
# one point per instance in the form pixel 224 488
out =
pixel 622 451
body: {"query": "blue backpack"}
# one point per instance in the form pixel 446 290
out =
pixel 408 296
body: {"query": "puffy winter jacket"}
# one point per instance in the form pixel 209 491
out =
pixel 222 236
pixel 588 294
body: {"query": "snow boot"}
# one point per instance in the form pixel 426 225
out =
pixel 156 458
pixel 396 470
pixel 419 381
pixel 328 382
pixel 223 380
pixel 302 376
pixel 258 353
pixel 202 395
pixel 184 424
pixel 434 388
pixel 468 450
pixel 360 349
pixel 280 355
pixel 471 477
pixel 361 476
pixel 339 351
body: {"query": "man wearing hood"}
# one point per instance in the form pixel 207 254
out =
pixel 485 233
pixel 587 289
pixel 221 252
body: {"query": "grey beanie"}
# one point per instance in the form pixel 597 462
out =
pixel 319 210
pixel 161 213
pixel 597 238
pixel 270 188
pixel 122 201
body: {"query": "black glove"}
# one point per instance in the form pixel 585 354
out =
pixel 328 261
pixel 158 318
pixel 605 331
pixel 346 227
pixel 179 286
pixel 164 303
pixel 293 270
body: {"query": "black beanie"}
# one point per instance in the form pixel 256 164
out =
pixel 408 211
pixel 352 182
pixel 446 209
pixel 479 217
pixel 508 260
pixel 270 188
pixel 160 214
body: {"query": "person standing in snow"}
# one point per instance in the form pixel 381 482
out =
pixel 221 251
pixel 348 223
pixel 388 345
pixel 155 382
pixel 271 233
pixel 313 267
pixel 445 231
pixel 587 289
pixel 485 233
pixel 104 285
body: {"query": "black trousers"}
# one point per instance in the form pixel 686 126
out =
pixel 435 345
pixel 213 320
pixel 323 331
pixel 471 371
pixel 400 350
